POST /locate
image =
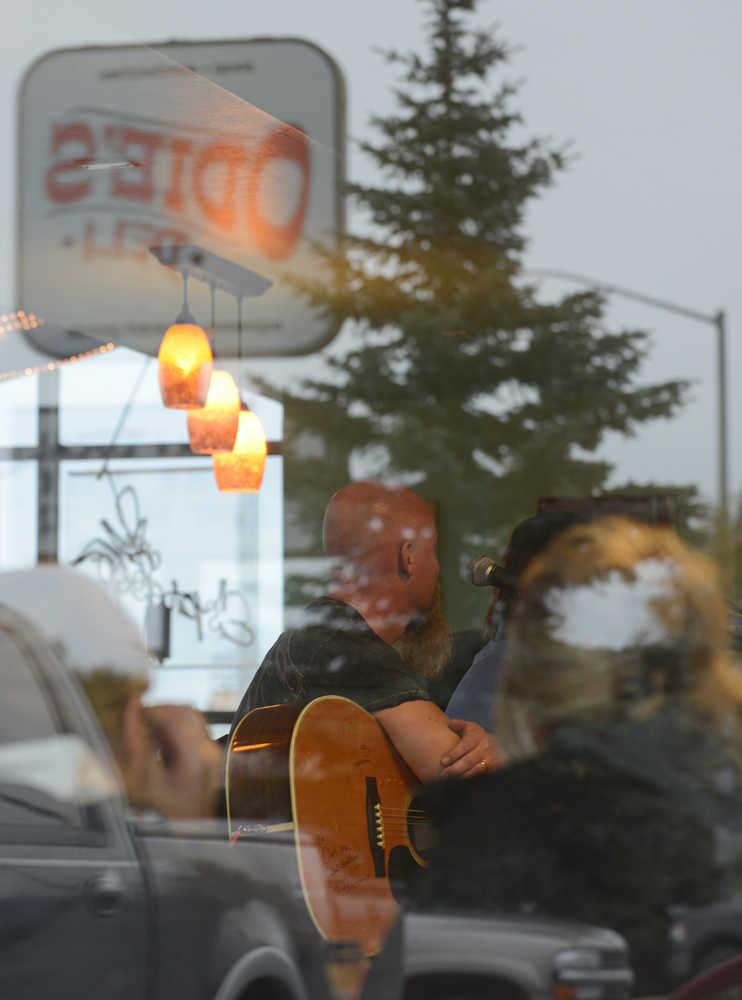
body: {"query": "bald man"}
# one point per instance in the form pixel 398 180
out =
pixel 384 590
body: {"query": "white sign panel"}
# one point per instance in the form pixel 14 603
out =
pixel 233 147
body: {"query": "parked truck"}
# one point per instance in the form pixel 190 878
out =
pixel 98 901
pixel 95 902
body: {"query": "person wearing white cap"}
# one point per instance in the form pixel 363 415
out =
pixel 164 754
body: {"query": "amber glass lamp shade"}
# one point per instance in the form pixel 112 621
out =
pixel 185 366
pixel 214 428
pixel 241 469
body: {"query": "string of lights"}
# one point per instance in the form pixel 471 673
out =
pixel 15 322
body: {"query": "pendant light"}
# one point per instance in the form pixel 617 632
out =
pixel 241 470
pixel 185 361
pixel 214 427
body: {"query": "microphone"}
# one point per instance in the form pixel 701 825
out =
pixel 484 572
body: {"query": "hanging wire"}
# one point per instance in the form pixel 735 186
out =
pixel 239 327
pixel 212 326
pixel 184 311
pixel 243 404
pixel 122 419
pixel 125 558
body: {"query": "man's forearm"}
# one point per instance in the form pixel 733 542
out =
pixel 421 734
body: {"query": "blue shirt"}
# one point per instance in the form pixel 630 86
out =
pixel 475 696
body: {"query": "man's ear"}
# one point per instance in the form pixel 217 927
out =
pixel 405 559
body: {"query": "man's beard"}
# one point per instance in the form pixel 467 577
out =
pixel 426 643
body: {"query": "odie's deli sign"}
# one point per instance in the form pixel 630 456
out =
pixel 236 147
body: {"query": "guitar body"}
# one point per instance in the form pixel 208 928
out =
pixel 257 786
pixel 349 795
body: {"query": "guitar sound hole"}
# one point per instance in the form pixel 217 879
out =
pixel 421 830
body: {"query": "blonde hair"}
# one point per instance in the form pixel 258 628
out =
pixel 615 618
pixel 109 693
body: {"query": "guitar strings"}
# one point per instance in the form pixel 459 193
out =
pixel 401 809
pixel 416 818
pixel 400 826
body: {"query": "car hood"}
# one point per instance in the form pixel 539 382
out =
pixel 557 932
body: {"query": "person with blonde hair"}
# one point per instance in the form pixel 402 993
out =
pixel 165 757
pixel 618 620
pixel 620 719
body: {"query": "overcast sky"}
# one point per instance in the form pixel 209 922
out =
pixel 648 92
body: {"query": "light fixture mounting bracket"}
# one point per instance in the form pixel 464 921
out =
pixel 215 271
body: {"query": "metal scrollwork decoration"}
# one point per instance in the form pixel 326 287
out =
pixel 125 559
pixel 217 614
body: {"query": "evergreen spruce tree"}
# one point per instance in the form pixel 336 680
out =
pixel 459 381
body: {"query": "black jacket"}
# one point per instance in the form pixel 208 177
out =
pixel 335 652
pixel 610 826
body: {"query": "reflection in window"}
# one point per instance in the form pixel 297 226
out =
pixel 24 712
pixel 18 410
pixel 213 559
pixel 18 501
pixel 94 393
pixel 31 791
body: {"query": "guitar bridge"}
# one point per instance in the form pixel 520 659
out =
pixel 375 826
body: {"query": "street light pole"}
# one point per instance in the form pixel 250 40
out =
pixel 718 321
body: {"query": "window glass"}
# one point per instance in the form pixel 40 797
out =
pixel 115 394
pixel 39 767
pixel 494 264
pixel 18 403
pixel 207 565
pixel 26 714
pixel 18 492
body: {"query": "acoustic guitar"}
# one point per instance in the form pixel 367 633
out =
pixel 329 773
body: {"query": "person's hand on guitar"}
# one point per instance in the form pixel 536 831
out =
pixel 476 752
